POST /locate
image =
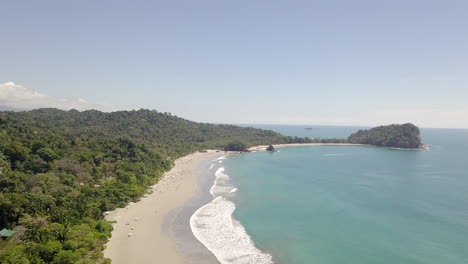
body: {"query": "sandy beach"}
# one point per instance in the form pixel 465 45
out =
pixel 140 234
pixel 263 147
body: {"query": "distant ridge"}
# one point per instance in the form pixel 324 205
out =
pixel 12 109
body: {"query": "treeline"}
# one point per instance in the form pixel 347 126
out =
pixel 60 170
pixel 397 136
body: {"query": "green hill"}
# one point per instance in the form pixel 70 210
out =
pixel 397 136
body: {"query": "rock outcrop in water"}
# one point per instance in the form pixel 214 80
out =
pixel 396 136
pixel 270 148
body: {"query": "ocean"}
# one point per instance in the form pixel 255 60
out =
pixel 340 204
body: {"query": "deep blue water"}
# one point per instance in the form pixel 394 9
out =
pixel 353 204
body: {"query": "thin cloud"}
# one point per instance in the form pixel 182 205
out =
pixel 18 96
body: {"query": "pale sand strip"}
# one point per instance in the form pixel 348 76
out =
pixel 263 147
pixel 149 242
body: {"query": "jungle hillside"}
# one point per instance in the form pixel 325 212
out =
pixel 61 170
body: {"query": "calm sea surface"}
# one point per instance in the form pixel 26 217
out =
pixel 350 204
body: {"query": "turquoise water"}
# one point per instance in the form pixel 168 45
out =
pixel 350 204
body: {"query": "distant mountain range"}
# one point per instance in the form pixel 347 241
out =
pixel 13 109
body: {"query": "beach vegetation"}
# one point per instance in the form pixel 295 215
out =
pixel 236 146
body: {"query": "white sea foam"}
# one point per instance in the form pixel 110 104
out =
pixel 220 158
pixel 211 166
pixel 220 173
pixel 213 225
pixel 221 184
pixel 215 228
pixel 220 161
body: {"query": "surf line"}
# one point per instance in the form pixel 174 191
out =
pixel 214 226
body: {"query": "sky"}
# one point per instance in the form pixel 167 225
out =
pixel 245 61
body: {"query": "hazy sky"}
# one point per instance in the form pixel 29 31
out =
pixel 242 61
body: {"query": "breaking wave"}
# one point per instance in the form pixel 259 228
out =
pixel 213 225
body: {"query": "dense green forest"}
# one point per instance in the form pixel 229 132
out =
pixel 60 170
pixel 397 136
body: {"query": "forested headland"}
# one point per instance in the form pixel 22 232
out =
pixel 60 170
pixel 397 136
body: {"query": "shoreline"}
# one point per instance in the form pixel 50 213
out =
pixel 215 227
pixel 178 222
pixel 142 230
pixel 158 228
pixel 263 147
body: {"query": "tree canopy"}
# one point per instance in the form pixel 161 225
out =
pixel 235 146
